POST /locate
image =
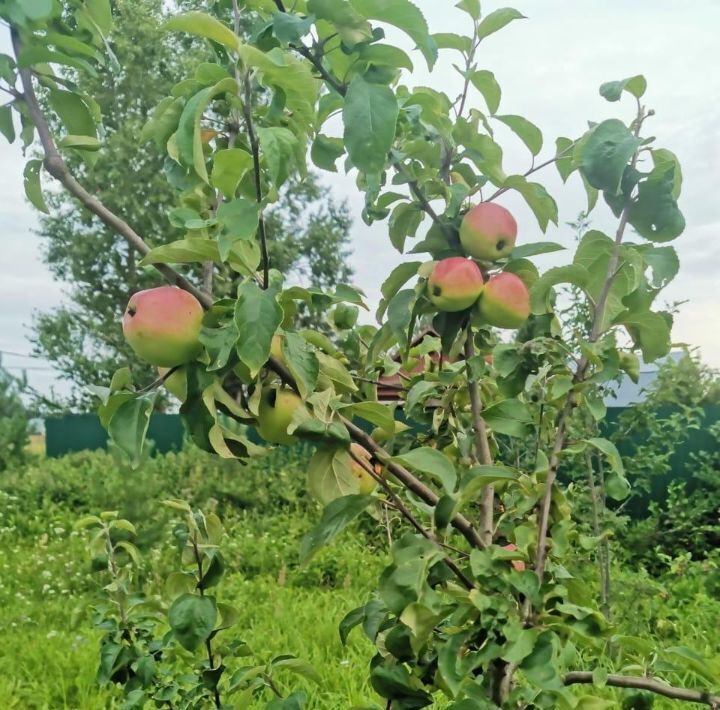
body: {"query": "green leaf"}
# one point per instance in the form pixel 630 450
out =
pixel 183 251
pixel 374 412
pixel 385 55
pixel 655 213
pixel 229 168
pixel 564 158
pixel 301 361
pixel 399 313
pixel 37 9
pixel 480 476
pixel 129 424
pixel 404 222
pixel 472 7
pixel 650 332
pixel 664 263
pixel 188 136
pixel 498 19
pixel 526 131
pixel 432 462
pixel 605 154
pixel 257 316
pixel 511 417
pixel 238 220
pixel 406 17
pixel 335 371
pixel 329 475
pixel 278 69
pixel 398 277
pixel 192 619
pixel 520 647
pixel 278 146
pixel 325 151
pixel 289 28
pixel 540 290
pixel 594 253
pixel 336 516
pixel 351 26
pixel 664 158
pixel 610 451
pixel 616 484
pixel 450 40
pixel 73 112
pixel 294 701
pixel 80 142
pixel 370 114
pixel 298 667
pixel 534 249
pixel 203 25
pixel 484 81
pixel 395 682
pixel 31 182
pixel 635 85
pixel 6 123
pixel 537 197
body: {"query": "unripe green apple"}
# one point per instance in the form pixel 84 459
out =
pixel 277 406
pixel 455 284
pixel 176 384
pixel 345 316
pixel 366 483
pixel 505 301
pixel 162 325
pixel 488 232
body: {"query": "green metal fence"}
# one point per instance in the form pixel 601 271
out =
pixel 82 432
pixel 78 432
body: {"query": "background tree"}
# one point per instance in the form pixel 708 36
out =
pixel 14 421
pixel 308 232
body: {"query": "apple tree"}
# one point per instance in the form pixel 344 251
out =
pixel 482 602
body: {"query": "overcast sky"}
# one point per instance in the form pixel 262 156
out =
pixel 550 67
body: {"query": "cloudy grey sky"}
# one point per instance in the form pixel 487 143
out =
pixel 549 67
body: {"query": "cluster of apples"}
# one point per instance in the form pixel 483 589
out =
pixel 487 233
pixel 162 326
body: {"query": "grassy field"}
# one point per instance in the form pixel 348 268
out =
pixel 49 653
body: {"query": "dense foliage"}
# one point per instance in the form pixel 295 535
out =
pixel 46 603
pixel 14 421
pixel 483 601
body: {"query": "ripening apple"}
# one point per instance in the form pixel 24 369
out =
pixel 505 301
pixel 176 384
pixel 162 325
pixel 366 483
pixel 518 565
pixel 488 232
pixel 277 406
pixel 455 284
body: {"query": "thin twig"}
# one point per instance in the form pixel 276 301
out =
pixel 459 522
pixel 704 697
pixel 208 643
pixel 403 510
pixel 255 149
pixel 579 377
pixel 482 442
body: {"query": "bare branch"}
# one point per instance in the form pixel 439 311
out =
pixel 703 697
pixel 255 149
pixel 459 522
pixel 579 377
pixel 403 510
pixel 482 443
pixel 56 166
